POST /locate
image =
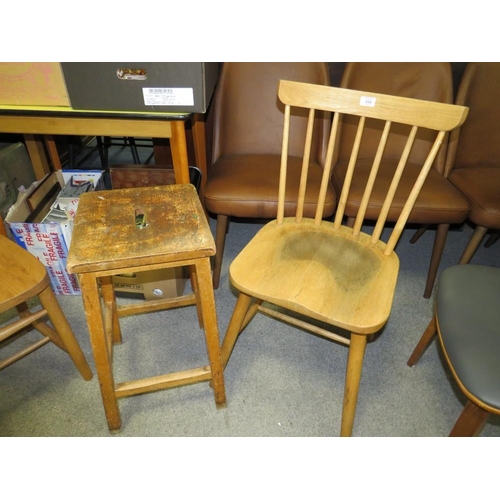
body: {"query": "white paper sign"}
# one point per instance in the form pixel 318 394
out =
pixel 168 96
pixel 368 101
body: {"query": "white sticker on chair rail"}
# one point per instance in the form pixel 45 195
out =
pixel 168 96
pixel 368 101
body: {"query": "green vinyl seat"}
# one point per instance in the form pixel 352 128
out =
pixel 467 321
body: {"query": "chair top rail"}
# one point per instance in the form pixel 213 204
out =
pixel 427 114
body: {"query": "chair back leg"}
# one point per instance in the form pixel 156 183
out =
pixel 471 421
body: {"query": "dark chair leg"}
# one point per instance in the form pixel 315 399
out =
pixel 492 239
pixel 437 253
pixel 419 232
pixel 424 342
pixel 220 240
pixel 471 421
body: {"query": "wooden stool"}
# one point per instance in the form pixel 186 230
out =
pixel 143 229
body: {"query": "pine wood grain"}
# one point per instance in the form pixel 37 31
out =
pixel 109 239
pixel 328 271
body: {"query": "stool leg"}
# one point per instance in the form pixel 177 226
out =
pixel 209 315
pixel 108 295
pixel 194 286
pixel 102 356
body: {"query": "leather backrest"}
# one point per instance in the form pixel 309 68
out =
pixel 429 81
pixel 248 117
pixel 479 137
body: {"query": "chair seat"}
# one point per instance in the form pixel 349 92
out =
pixel 480 186
pixel 468 314
pixel 296 266
pixel 23 275
pixel 439 201
pixel 247 186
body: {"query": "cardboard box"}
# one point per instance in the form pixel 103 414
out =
pixel 157 284
pixel 151 285
pixel 32 84
pixel 167 87
pixel 50 242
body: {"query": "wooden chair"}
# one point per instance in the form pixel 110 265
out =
pixel 466 320
pixel 326 271
pixel 247 119
pixel 440 203
pixel 474 153
pixel 23 277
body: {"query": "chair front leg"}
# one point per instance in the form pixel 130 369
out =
pixel 425 341
pixel 235 326
pixel 353 377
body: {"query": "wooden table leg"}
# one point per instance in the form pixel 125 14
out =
pixel 102 355
pixel 207 299
pixel 36 152
pixel 179 152
pixel 53 154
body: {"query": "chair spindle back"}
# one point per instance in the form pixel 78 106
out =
pixel 389 109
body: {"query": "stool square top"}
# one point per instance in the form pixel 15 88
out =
pixel 129 228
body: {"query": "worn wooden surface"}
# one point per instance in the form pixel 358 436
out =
pixel 107 241
pixel 427 114
pixel 105 236
pixel 38 121
pixel 327 271
pixel 21 274
pixel 321 272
